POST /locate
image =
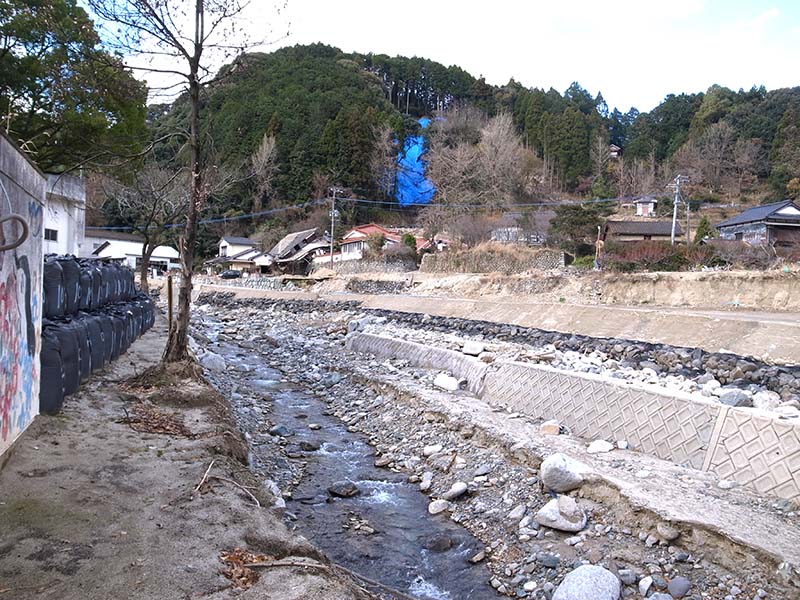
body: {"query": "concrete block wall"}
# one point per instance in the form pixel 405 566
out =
pixel 22 192
pixel 460 365
pixel 749 446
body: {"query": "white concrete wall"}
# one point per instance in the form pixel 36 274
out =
pixel 65 213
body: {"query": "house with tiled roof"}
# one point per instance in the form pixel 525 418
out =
pixel 776 224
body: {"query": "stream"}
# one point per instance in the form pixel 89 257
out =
pixel 384 532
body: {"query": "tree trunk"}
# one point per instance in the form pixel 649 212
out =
pixel 178 342
pixel 147 251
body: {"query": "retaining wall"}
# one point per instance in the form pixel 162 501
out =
pixel 22 193
pixel 748 446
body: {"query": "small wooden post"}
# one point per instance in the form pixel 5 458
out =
pixel 169 301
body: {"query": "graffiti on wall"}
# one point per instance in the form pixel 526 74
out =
pixel 20 308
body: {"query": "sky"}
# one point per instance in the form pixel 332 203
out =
pixel 633 51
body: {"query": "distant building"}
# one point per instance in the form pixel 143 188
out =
pixel 646 207
pixel 64 215
pixel 231 245
pixel 614 151
pixel 354 242
pixel 128 248
pixel 295 252
pixel 637 231
pixel 776 224
pixel 517 235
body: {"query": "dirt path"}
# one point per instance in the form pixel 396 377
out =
pixel 94 507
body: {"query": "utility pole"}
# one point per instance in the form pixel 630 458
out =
pixel 676 186
pixel 688 224
pixel 333 219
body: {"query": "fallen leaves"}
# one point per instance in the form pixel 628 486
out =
pixel 237 571
pixel 146 418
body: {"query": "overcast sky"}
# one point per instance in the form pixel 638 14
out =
pixel 634 51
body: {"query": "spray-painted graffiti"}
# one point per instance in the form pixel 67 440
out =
pixel 21 192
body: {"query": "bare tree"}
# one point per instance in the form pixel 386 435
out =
pixel 599 154
pixel 265 167
pixel 748 159
pixel 383 161
pixel 185 47
pixel 489 173
pixel 151 204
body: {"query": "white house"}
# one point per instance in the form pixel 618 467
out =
pixel 646 207
pixel 231 246
pixel 104 243
pixel 64 215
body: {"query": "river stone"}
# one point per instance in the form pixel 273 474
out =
pixel 331 379
pixel 588 582
pixel 645 583
pixel 427 480
pixel 344 489
pixel 517 513
pixel 456 490
pixel 309 445
pixel 667 531
pixel 679 587
pixel 279 429
pixel 561 473
pixel 736 398
pixel 432 449
pixel 562 513
pixel 473 348
pixel 438 506
pixel 447 382
pixel 550 428
pixel 213 362
pixel 766 400
pixel 660 596
pixel 599 447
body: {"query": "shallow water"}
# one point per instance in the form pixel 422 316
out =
pixel 421 555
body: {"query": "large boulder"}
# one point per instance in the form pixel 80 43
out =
pixel 561 473
pixel 588 582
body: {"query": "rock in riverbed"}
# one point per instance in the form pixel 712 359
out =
pixel 344 489
pixel 561 473
pixel 588 582
pixel 562 513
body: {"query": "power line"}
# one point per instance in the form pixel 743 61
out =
pixel 388 204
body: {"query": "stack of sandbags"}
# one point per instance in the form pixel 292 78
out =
pixel 93 313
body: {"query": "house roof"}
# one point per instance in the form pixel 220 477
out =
pixel 304 251
pixel 112 234
pixel 641 228
pixel 287 245
pixel 238 241
pixel 123 248
pixel 764 212
pixel 368 230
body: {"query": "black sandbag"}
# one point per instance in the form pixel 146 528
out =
pixel 51 384
pixel 72 284
pixel 119 335
pixel 104 271
pixel 136 317
pixel 86 288
pixel 107 327
pixel 53 286
pixel 96 346
pixel 70 362
pixel 84 351
pixel 97 285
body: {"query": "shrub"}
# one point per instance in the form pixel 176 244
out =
pixel 644 256
pixel 584 262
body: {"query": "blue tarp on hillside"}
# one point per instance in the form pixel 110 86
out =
pixel 412 185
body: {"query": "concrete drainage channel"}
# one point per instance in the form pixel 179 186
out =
pixel 655 525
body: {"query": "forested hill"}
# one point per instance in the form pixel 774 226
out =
pixel 331 114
